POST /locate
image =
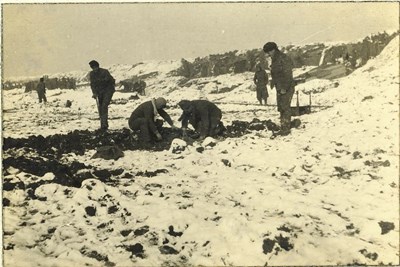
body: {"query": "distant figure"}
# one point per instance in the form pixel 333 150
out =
pixel 103 88
pixel 282 79
pixel 41 90
pixel 261 81
pixel 203 115
pixel 143 119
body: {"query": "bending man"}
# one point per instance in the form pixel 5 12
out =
pixel 143 119
pixel 204 116
pixel 103 88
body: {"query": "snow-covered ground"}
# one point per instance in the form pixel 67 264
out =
pixel 328 194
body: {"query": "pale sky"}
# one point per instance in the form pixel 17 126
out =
pixel 41 39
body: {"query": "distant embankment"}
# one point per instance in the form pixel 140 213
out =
pixel 333 61
pixel 353 54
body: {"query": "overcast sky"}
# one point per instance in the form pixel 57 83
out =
pixel 43 39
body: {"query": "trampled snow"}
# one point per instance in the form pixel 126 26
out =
pixel 316 197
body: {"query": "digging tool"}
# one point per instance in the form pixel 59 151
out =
pixel 98 106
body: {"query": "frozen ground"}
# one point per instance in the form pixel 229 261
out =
pixel 328 194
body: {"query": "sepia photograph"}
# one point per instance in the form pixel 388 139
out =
pixel 200 134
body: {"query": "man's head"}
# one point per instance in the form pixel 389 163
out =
pixel 41 79
pixel 160 103
pixel 270 48
pixel 185 105
pixel 94 64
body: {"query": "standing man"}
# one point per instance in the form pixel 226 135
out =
pixel 261 81
pixel 282 79
pixel 103 88
pixel 41 90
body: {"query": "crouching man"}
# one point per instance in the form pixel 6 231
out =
pixel 144 116
pixel 204 116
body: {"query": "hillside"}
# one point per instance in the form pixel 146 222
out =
pixel 340 59
pixel 325 195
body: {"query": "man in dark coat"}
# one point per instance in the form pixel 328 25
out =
pixel 41 90
pixel 261 81
pixel 143 119
pixel 204 116
pixel 282 79
pixel 103 88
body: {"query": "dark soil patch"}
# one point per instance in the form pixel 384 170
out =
pixel 168 250
pixel 386 227
pixel 95 255
pixel 173 233
pixel 141 231
pixel 151 173
pixel 136 250
pixel 43 155
pixel 284 242
pixel 268 245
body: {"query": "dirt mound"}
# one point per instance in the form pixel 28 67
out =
pixel 38 155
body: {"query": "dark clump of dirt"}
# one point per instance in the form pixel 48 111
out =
pixel 239 128
pixel 96 255
pixel 136 250
pixel 386 227
pixel 125 233
pixel 91 211
pixel 151 173
pixel 64 174
pixel 284 242
pixel 370 255
pixel 173 233
pixel 141 231
pixel 112 209
pixel 168 250
pixel 6 202
pixel 268 245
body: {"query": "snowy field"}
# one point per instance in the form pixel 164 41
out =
pixel 328 194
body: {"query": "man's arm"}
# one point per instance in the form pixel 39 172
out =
pixel 165 116
pixel 108 78
pixel 92 84
pixel 185 119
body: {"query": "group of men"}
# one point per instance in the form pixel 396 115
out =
pixel 204 116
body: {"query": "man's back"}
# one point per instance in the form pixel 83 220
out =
pixel 101 80
pixel 205 106
pixel 281 69
pixel 41 87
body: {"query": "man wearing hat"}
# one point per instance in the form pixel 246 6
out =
pixel 261 81
pixel 41 90
pixel 144 117
pixel 282 79
pixel 103 88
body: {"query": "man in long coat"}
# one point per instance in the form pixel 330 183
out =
pixel 282 80
pixel 103 88
pixel 41 90
pixel 261 81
